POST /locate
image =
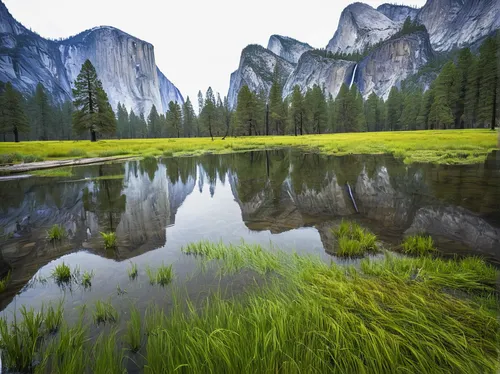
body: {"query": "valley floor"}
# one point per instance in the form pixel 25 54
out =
pixel 441 147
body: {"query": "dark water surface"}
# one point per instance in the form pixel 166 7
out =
pixel 287 199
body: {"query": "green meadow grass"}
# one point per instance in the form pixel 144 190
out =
pixel 389 315
pixel 435 146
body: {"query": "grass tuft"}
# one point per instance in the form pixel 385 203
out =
pixel 109 240
pixel 108 358
pixel 133 271
pixel 354 241
pixel 4 282
pixel 62 273
pixel 104 313
pixel 418 245
pixel 56 232
pixel 133 332
pixel 87 279
pixel 54 318
pixel 162 276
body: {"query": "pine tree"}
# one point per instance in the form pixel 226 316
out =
pixel 345 116
pixel 411 108
pixel 123 128
pixel 226 117
pixel 13 118
pixel 42 112
pixel 246 109
pixel 188 118
pixel 464 63
pixel 93 111
pixel 371 112
pixel 297 111
pixel 381 115
pixel 154 123
pixel 441 112
pixel 276 112
pixel 472 94
pixel 208 112
pixel 489 81
pixel 360 119
pixel 174 117
pixel 394 109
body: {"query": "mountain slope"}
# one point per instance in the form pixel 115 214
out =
pixel 126 65
pixel 359 27
pixel 256 70
pixel 287 48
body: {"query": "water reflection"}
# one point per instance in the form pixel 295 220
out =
pixel 290 198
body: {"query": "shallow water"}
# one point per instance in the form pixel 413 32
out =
pixel 286 199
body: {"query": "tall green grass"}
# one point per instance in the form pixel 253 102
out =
pixel 133 271
pixel 162 275
pixel 354 241
pixel 56 232
pixel 418 245
pixel 104 312
pixel 109 240
pixel 394 315
pixel 62 273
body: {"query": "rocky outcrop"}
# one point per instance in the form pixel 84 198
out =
pixel 126 65
pixel 256 69
pixel 313 68
pixel 398 13
pixel 361 26
pixel 287 48
pixel 392 62
pixel 457 23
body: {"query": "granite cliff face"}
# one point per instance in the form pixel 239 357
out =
pixel 450 24
pixel 126 65
pixel 361 26
pixel 287 48
pixel 313 68
pixel 392 62
pixel 256 70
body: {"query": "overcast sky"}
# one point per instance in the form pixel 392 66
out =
pixel 197 42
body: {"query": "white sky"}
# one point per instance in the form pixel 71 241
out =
pixel 197 42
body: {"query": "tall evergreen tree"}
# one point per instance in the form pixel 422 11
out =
pixel 123 123
pixel 371 112
pixel 411 108
pixel 174 118
pixel 298 111
pixel 345 116
pixel 489 81
pixel 464 63
pixel 360 119
pixel 93 111
pixel 42 112
pixel 208 113
pixel 154 123
pixel 394 109
pixel 441 113
pixel 12 117
pixel 276 109
pixel 188 118
pixel 246 109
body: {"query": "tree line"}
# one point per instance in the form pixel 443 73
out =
pixel 465 94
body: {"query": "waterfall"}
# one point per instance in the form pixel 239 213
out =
pixel 353 75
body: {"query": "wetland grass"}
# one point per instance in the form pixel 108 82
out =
pixel 418 245
pixel 162 276
pixel 133 333
pixel 133 271
pixel 62 273
pixel 87 279
pixel 354 241
pixel 4 282
pixel 56 233
pixel 53 318
pixel 104 312
pixel 109 240
pixel 389 315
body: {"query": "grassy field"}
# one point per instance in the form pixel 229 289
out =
pixel 441 147
pixel 392 315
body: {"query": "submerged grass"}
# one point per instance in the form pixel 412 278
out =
pixel 133 271
pixel 418 245
pixel 133 333
pixel 87 279
pixel 54 318
pixel 394 315
pixel 436 146
pixel 104 312
pixel 56 172
pixel 162 276
pixel 354 241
